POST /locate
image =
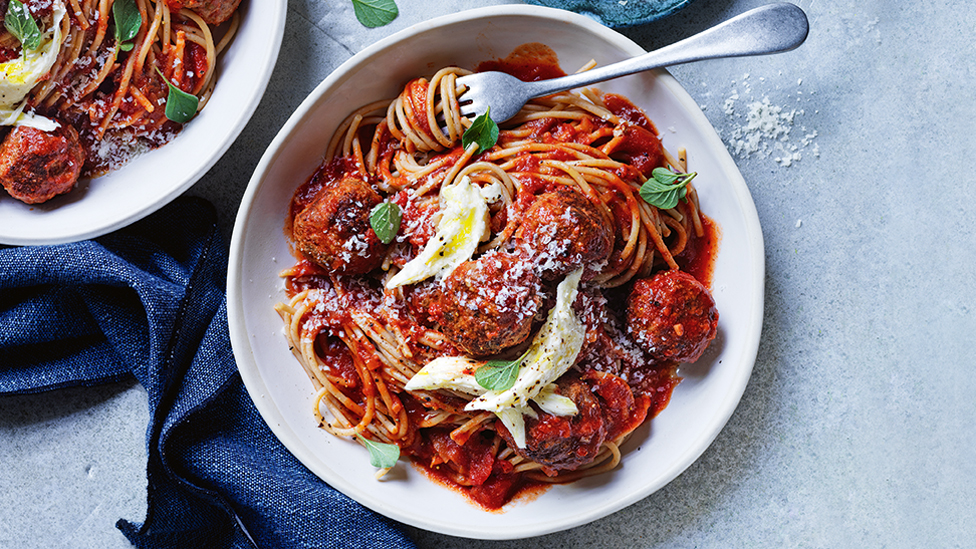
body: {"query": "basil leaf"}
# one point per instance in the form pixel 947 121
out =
pixel 669 199
pixel 666 188
pixel 498 375
pixel 180 106
pixel 21 24
pixel 128 20
pixel 385 221
pixel 483 131
pixel 381 454
pixel 375 13
pixel 665 176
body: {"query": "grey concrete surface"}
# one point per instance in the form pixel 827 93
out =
pixel 858 426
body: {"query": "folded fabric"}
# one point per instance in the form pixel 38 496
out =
pixel 148 301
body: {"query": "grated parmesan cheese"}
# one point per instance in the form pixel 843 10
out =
pixel 765 129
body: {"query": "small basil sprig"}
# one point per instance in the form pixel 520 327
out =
pixel 665 188
pixel 483 131
pixel 385 220
pixel 180 106
pixel 375 13
pixel 128 21
pixel 499 375
pixel 381 454
pixel 21 24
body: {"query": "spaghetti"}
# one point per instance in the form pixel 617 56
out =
pixel 112 89
pixel 568 165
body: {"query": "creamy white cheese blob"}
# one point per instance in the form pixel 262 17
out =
pixel 18 76
pixel 552 352
pixel 448 372
pixel 463 224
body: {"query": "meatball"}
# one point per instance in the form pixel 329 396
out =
pixel 333 231
pixel 418 299
pixel 563 231
pixel 622 412
pixel 36 166
pixel 566 442
pixel 487 305
pixel 672 316
pixel 214 12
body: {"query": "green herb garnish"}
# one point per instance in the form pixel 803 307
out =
pixel 21 24
pixel 375 13
pixel 381 454
pixel 498 375
pixel 665 188
pixel 385 221
pixel 128 21
pixel 483 131
pixel 180 106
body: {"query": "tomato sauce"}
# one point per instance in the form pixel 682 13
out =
pixel 624 108
pixel 338 358
pixel 326 173
pixel 417 108
pixel 8 54
pixel 528 62
pixel 500 487
pixel 196 66
pixel 698 257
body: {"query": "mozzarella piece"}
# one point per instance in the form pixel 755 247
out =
pixel 492 193
pixel 463 224
pixel 552 352
pixel 447 372
pixel 18 76
pixel 515 423
pixel 555 404
pixel 457 373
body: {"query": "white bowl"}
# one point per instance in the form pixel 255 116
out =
pixel 152 180
pixel 700 405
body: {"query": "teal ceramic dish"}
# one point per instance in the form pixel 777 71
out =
pixel 618 13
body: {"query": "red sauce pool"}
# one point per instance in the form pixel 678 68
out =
pixel 698 257
pixel 528 62
pixel 527 491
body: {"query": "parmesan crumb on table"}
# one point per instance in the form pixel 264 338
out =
pixel 765 129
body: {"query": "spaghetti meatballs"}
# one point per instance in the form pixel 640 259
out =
pixel 514 331
pixel 109 79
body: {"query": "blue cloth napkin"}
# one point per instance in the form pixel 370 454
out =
pixel 148 301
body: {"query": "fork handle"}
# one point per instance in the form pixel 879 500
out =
pixel 768 29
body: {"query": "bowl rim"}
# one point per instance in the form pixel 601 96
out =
pixel 277 422
pixel 274 29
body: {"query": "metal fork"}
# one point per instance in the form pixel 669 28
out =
pixel 769 29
